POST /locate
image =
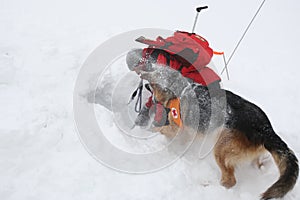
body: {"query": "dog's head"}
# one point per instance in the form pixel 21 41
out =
pixel 162 95
pixel 167 83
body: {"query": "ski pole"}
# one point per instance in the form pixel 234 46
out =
pixel 241 39
pixel 196 18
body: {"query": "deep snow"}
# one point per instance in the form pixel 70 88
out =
pixel 42 47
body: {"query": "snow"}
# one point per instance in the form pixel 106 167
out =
pixel 42 48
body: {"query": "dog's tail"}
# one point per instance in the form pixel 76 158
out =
pixel 287 164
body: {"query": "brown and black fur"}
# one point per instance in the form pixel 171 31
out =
pixel 246 134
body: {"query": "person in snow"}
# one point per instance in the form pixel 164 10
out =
pixel 185 52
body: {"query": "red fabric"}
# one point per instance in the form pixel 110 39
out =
pixel 149 102
pixel 205 76
pixel 161 59
pixel 159 112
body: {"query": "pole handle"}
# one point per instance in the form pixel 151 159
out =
pixel 201 8
pixel 196 18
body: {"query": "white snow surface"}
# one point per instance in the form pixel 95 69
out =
pixel 42 47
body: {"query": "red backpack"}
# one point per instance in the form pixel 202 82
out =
pixel 189 46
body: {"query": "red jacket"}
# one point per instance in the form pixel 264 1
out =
pixel 202 74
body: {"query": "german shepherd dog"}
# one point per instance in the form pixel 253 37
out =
pixel 246 131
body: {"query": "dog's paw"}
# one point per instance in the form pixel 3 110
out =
pixel 229 182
